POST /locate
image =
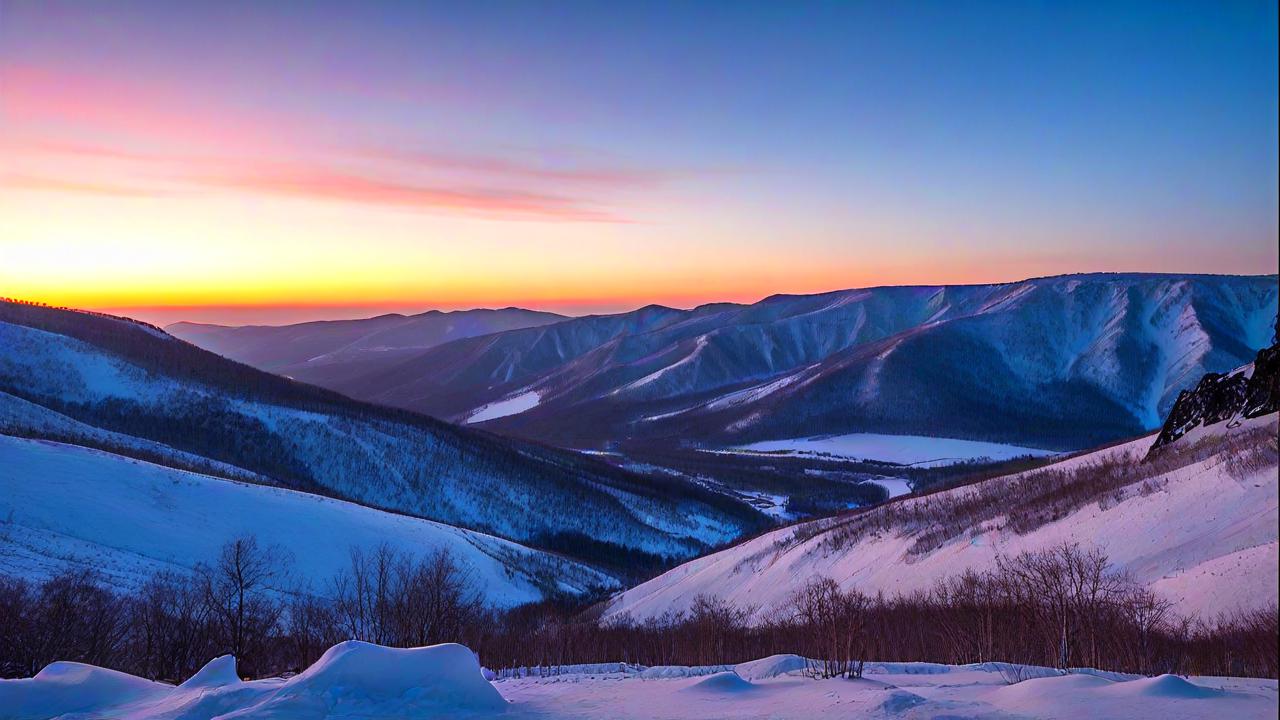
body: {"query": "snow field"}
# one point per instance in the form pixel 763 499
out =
pixel 513 405
pixel 900 449
pixel 63 505
pixel 1204 540
pixel 360 680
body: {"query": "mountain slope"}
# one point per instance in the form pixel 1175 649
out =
pixel 307 349
pixel 72 369
pixel 1197 524
pixel 1061 363
pixel 1246 392
pixel 65 506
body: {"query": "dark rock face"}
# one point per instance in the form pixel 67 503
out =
pixel 1243 393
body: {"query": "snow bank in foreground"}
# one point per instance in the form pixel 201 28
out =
pixel 725 682
pixel 352 679
pixel 360 680
pixel 63 688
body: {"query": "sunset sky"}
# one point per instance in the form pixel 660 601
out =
pixel 278 161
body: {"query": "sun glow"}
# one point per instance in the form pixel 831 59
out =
pixel 168 158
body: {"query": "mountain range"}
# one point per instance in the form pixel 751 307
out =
pixel 1059 363
pixel 131 390
pixel 115 428
pixel 305 350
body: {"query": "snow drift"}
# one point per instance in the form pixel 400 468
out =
pixel 351 679
pixel 360 680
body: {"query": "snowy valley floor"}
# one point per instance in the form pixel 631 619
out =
pixel 357 680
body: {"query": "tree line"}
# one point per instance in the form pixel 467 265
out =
pixel 1061 607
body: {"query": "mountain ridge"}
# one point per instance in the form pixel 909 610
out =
pixel 1055 350
pixel 295 348
pixel 136 381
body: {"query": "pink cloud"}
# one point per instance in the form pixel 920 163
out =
pixel 53 184
pixel 319 183
pixel 67 127
pixel 525 168
pixel 37 98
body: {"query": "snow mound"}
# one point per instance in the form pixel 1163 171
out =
pixel 1164 686
pixel 352 679
pixel 63 688
pixel 900 701
pixel 769 667
pixel 437 677
pixel 723 683
pixel 218 672
pixel 1035 690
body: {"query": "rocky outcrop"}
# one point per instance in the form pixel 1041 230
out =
pixel 1246 392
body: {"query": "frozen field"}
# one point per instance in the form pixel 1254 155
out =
pixel 901 449
pixel 358 680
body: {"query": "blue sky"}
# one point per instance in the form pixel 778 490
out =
pixel 604 155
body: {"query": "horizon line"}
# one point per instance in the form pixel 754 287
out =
pixel 531 305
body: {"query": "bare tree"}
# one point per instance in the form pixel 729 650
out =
pixel 834 621
pixel 170 627
pixel 237 588
pixel 1147 614
pixel 433 600
pixel 1069 590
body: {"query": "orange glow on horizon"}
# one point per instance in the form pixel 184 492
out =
pixel 147 194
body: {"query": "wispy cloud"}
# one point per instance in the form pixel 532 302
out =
pixel 67 132
pixel 54 184
pixel 320 183
pixel 520 166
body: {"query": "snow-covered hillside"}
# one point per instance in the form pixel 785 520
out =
pixel 63 506
pixel 1198 526
pixel 105 383
pixel 1062 363
pixel 356 679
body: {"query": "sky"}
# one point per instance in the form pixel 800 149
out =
pixel 275 162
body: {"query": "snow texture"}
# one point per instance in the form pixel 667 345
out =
pixel 1204 539
pixel 359 680
pixel 65 505
pixel 510 406
pixel 352 679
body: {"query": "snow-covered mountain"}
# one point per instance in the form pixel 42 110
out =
pixel 132 389
pixel 64 506
pixel 1060 363
pixel 307 350
pixel 1197 523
